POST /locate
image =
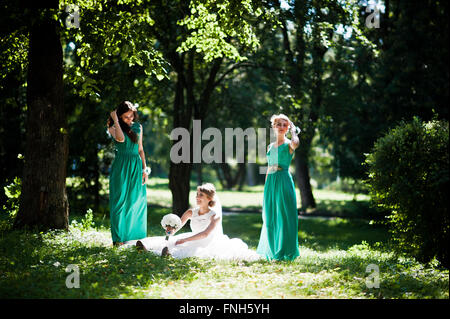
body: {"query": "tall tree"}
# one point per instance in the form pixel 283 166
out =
pixel 403 75
pixel 203 23
pixel 43 200
pixel 174 36
pixel 307 34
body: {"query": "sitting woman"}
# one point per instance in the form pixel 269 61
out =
pixel 206 239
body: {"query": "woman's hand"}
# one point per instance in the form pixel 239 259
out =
pixel 170 230
pixel 144 178
pixel 180 241
pixel 114 116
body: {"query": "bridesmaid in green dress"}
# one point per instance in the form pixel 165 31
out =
pixel 279 233
pixel 129 173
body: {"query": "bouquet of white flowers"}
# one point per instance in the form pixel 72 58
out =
pixel 171 223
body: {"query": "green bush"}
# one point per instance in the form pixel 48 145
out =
pixel 12 192
pixel 409 175
pixel 11 207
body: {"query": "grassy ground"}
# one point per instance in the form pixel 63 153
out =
pixel 329 203
pixel 334 256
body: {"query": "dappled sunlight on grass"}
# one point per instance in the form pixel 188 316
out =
pixel 329 203
pixel 334 255
pixel 324 233
pixel 33 266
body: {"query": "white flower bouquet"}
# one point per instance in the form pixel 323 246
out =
pixel 171 223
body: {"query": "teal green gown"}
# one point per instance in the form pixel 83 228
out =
pixel 279 233
pixel 127 195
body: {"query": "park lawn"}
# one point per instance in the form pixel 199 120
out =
pixel 329 203
pixel 334 255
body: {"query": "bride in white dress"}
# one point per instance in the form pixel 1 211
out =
pixel 206 239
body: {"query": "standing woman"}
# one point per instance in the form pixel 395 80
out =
pixel 279 233
pixel 127 189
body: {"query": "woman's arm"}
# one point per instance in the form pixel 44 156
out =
pixel 116 130
pixel 142 155
pixel 202 234
pixel 184 218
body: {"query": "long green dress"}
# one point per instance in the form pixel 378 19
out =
pixel 127 195
pixel 279 233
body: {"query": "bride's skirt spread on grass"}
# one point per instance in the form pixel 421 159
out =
pixel 219 247
pixel 216 245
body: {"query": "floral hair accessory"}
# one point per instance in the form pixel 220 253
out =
pixel 133 107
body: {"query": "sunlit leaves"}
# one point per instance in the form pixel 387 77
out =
pixel 14 52
pixel 109 33
pixel 217 27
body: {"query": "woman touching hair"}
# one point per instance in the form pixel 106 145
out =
pixel 129 173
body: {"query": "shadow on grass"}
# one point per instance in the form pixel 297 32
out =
pixel 326 208
pixel 34 268
pixel 322 234
pixel 33 265
pixel 316 233
pixel 346 209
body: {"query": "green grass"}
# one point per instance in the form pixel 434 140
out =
pixel 334 254
pixel 329 203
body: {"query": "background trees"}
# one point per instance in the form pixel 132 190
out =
pixel 227 63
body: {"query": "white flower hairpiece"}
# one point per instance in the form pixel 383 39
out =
pixel 133 107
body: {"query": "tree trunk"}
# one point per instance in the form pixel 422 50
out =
pixel 180 173
pixel 302 176
pixel 198 169
pixel 240 176
pixel 97 185
pixel 227 176
pixel 295 63
pixel 43 201
pixel 250 174
pixel 179 184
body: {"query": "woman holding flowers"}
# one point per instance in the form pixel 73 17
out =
pixel 129 173
pixel 206 238
pixel 279 233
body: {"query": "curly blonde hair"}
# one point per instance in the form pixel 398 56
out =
pixel 276 117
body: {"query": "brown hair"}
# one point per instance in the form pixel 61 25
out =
pixel 124 107
pixel 209 190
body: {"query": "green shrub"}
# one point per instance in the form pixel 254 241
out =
pixel 12 191
pixel 86 223
pixel 409 175
pixel 11 207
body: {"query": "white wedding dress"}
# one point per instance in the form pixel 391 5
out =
pixel 216 245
